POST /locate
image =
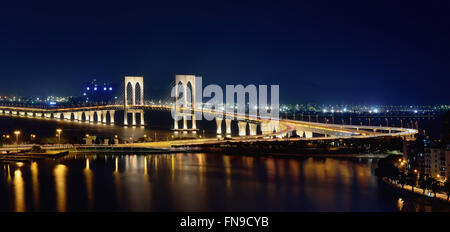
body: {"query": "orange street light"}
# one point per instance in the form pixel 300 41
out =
pixel 17 133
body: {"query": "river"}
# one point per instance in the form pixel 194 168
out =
pixel 187 182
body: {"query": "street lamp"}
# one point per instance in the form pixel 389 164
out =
pixel 33 137
pixel 59 135
pixel 17 133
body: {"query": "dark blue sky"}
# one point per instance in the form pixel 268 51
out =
pixel 372 52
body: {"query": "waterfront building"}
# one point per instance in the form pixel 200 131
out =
pixel 435 161
pixel 447 162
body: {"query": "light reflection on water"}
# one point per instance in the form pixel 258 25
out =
pixel 19 192
pixel 60 174
pixel 195 182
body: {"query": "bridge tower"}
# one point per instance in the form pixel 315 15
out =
pixel 133 99
pixel 188 102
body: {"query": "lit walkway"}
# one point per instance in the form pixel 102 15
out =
pixel 419 191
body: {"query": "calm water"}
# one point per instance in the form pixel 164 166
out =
pixel 185 182
pixel 196 182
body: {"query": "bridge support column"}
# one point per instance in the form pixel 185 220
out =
pixel 308 134
pixel 104 116
pixel 142 118
pixel 265 128
pixel 99 116
pixel 185 122
pixel 91 116
pixel 125 118
pixel 219 125
pixel 175 124
pixel 111 116
pixel 68 115
pixel 242 128
pixel 228 126
pixel 299 133
pixel 194 122
pixel 134 118
pixel 252 127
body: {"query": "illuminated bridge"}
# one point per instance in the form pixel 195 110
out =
pixel 270 129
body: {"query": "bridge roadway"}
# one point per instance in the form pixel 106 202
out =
pixel 285 126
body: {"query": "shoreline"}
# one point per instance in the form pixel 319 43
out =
pixel 418 192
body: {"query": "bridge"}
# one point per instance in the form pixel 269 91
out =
pixel 269 129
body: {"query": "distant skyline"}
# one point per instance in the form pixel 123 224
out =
pixel 330 52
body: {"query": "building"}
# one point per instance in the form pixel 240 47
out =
pixel 447 162
pixel 414 154
pixel 435 161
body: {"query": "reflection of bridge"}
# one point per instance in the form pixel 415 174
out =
pixel 269 129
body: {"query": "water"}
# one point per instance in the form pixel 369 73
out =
pixel 186 182
pixel 196 182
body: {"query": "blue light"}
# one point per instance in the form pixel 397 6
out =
pixel 104 88
pixel 88 88
pixel 52 103
pixel 110 88
pixel 95 88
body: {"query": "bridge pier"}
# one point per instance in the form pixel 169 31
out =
pixel 111 116
pixel 252 127
pixel 219 125
pixel 99 116
pixel 68 115
pixel 104 116
pixel 133 114
pixel 228 126
pixel 242 128
pixel 308 134
pixel 185 122
pixel 134 118
pixel 91 116
pixel 175 124
pixel 136 85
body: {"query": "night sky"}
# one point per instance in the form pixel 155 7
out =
pixel 369 52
